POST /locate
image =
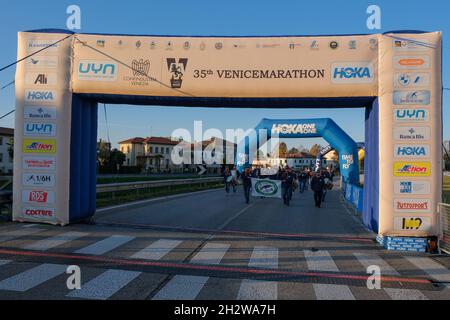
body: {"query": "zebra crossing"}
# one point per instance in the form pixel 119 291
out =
pixel 109 282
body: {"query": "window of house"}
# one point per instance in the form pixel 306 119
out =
pixel 1 157
pixel 128 149
pixel 167 150
pixel 1 141
pixel 156 149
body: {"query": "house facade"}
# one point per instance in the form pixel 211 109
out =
pixel 6 140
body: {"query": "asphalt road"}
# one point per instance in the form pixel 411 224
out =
pixel 211 245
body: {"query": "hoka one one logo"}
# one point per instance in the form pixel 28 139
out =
pixel 352 73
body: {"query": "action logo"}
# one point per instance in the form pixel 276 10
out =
pixel 39 146
pixel 412 169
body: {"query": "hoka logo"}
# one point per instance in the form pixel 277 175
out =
pixel 411 151
pixel 352 72
pixel 40 95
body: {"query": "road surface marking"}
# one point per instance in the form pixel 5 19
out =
pixel 211 253
pixel 320 261
pixel 434 269
pixel 11 235
pixel 370 259
pixel 262 257
pixel 188 287
pixel 105 285
pixel 332 292
pixel 30 225
pixel 157 249
pixel 32 278
pixel 3 262
pixel 405 294
pixel 55 241
pixel 181 288
pixel 101 247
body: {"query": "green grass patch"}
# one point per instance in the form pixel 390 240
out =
pixel 109 199
pixel 446 190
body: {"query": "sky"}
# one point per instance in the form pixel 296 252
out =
pixel 221 18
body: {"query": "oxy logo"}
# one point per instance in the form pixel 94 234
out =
pixel 42 62
pixel 410 115
pixel 38 212
pixel 38 180
pixel 39 146
pixel 412 187
pixel 41 79
pixel 352 72
pixel 39 113
pixel 411 62
pixel 92 70
pixel 412 223
pixel 48 45
pixel 41 197
pixel 39 129
pixel 412 205
pixel 412 169
pixel 47 96
pixel 39 163
pixel 294 128
pixel 411 79
pixel 411 97
pixel 415 151
pixel 411 133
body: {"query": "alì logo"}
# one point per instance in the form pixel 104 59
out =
pixel 410 114
pixel 305 128
pixel 39 129
pixel 412 169
pixel 91 70
pixel 39 146
pixel 40 96
pixel 352 72
pixel 266 187
pixel 419 151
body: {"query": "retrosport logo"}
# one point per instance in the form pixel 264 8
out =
pixel 352 72
pixel 39 146
pixel 412 169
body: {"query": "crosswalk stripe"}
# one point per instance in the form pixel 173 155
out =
pixel 105 245
pixel 405 294
pixel 332 292
pixel 188 287
pixel 434 269
pixel 3 262
pixel 157 249
pixel 211 253
pixel 55 241
pixel 370 259
pixel 32 277
pixel 105 285
pixel 181 288
pixel 262 257
pixel 14 234
pixel 29 225
pixel 320 261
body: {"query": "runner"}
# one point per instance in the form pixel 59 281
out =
pixel 247 183
pixel 227 177
pixel 317 185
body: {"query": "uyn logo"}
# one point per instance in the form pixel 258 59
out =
pixel 352 72
pixel 410 114
pixel 177 70
pixel 90 70
pixel 39 129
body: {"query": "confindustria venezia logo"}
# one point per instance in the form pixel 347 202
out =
pixel 177 70
pixel 266 187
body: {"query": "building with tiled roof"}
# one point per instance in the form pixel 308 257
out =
pixel 6 140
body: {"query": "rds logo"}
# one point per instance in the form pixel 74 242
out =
pixel 352 72
pixel 90 70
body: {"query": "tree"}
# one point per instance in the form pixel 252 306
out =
pixel 293 150
pixel 117 158
pixel 103 152
pixel 282 150
pixel 11 148
pixel 315 149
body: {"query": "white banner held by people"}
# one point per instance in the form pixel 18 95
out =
pixel 266 188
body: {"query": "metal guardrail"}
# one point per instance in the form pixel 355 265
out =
pixel 137 185
pixel 444 238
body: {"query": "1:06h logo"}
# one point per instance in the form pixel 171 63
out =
pixel 177 70
pixel 266 188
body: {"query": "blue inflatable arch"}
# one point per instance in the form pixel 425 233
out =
pixel 305 128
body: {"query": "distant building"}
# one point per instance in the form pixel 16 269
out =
pixel 299 161
pixel 6 140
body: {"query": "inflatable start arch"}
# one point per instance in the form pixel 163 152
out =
pixel 395 76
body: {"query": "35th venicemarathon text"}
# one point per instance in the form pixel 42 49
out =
pixel 260 74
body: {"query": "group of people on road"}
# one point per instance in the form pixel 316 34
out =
pixel 319 181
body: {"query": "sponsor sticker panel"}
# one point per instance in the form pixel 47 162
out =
pixel 412 187
pixel 412 205
pixel 412 223
pixel 41 79
pixel 38 180
pixel 412 133
pixel 420 97
pixel 39 129
pixel 412 168
pixel 38 213
pixel 411 79
pixel 410 115
pixel 42 62
pixel 38 197
pixel 38 97
pixel 411 151
pixel 37 44
pixel 39 163
pixel 409 62
pixel 39 113
pixel 95 70
pixel 352 72
pixel 39 146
